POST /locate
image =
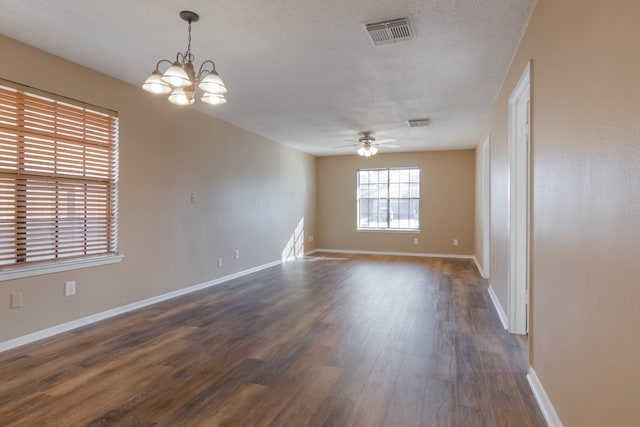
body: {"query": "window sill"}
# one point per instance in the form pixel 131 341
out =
pixel 55 267
pixel 389 230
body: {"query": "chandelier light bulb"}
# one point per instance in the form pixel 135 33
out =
pixel 213 99
pixel 176 76
pixel 212 83
pixel 155 84
pixel 180 97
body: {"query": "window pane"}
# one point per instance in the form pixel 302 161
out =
pixel 373 192
pixel 394 191
pixel 394 213
pixel 363 218
pixel 414 213
pixel 394 175
pixel 404 190
pixel 404 175
pixel 414 190
pixel 373 213
pixel 383 191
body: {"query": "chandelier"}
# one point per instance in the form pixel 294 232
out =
pixel 180 80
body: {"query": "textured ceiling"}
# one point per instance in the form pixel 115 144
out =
pixel 303 73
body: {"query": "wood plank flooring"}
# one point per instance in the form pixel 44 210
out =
pixel 329 340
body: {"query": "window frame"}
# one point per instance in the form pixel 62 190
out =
pixel 388 200
pixel 105 203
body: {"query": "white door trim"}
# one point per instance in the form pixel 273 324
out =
pixel 519 204
pixel 486 208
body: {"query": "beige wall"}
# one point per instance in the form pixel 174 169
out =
pixel 250 195
pixel 446 203
pixel 586 205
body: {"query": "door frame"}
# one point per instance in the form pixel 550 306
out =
pixel 486 208
pixel 519 204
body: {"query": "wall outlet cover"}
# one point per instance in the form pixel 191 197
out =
pixel 70 288
pixel 16 300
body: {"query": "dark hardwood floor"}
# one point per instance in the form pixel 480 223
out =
pixel 330 340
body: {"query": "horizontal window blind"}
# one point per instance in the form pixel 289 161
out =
pixel 58 179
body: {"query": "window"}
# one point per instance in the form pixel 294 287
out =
pixel 58 179
pixel 389 199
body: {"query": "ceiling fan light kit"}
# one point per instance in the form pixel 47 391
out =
pixel 180 80
pixel 367 145
pixel 367 150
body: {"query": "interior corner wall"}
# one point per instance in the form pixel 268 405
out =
pixel 585 155
pixel 250 194
pixel 446 203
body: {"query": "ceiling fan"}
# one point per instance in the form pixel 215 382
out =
pixel 368 145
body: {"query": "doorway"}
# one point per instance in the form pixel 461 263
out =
pixel 519 204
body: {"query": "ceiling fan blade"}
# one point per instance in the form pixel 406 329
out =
pixel 343 146
pixel 391 145
pixel 385 141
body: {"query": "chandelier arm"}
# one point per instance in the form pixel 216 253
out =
pixel 161 61
pixel 203 71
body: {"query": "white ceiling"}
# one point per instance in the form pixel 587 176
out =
pixel 303 72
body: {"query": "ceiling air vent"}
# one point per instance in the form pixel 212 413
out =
pixel 415 123
pixel 393 31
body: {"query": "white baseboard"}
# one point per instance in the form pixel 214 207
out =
pixel 64 327
pixel 480 270
pixel 416 254
pixel 496 303
pixel 548 411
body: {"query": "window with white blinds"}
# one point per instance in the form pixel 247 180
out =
pixel 58 179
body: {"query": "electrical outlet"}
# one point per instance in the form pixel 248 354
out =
pixel 415 240
pixel 237 253
pixel 219 262
pixel 16 300
pixel 70 288
pixel 310 238
pixel 193 198
pixel 455 242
